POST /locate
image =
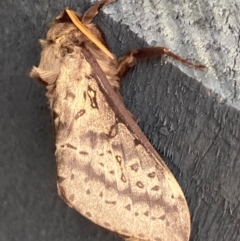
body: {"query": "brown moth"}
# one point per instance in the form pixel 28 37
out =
pixel 106 168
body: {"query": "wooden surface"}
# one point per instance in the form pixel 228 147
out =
pixel 194 129
pixel 204 31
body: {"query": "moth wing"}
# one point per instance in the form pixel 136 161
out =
pixel 104 169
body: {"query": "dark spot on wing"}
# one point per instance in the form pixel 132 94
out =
pixel 71 146
pixel 103 137
pixel 107 224
pixel 146 213
pixel 60 126
pixel 155 188
pixel 162 217
pixel 70 95
pixel 110 202
pixel 135 167
pixel 55 115
pixel 152 174
pixel 128 207
pixel 84 95
pixel 113 131
pixel 88 192
pixel 123 178
pixel 92 136
pixel 171 209
pixel 117 147
pixel 136 142
pixel 88 214
pixel 136 214
pixel 181 199
pixel 101 154
pixel 140 184
pixel 83 153
pixel 87 77
pixel 79 114
pixel 92 94
pixel 71 197
pixel 75 163
pixel 101 194
pixel 93 75
pixel 60 179
pixel 119 159
pixel 112 172
pixel 62 193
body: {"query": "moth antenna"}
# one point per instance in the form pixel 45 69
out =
pixel 86 31
pixel 128 61
pixel 93 11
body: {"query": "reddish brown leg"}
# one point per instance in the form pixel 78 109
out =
pixel 93 10
pixel 129 60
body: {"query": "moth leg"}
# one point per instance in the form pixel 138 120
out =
pixel 93 11
pixel 128 61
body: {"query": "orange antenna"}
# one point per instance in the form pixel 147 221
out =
pixel 87 32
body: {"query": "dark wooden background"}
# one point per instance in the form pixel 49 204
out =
pixel 195 132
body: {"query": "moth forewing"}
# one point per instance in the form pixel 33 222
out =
pixel 107 169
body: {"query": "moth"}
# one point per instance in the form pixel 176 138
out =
pixel 106 168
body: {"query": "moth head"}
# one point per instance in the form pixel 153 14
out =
pixel 49 66
pixel 60 41
pixel 62 31
pixel 63 39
